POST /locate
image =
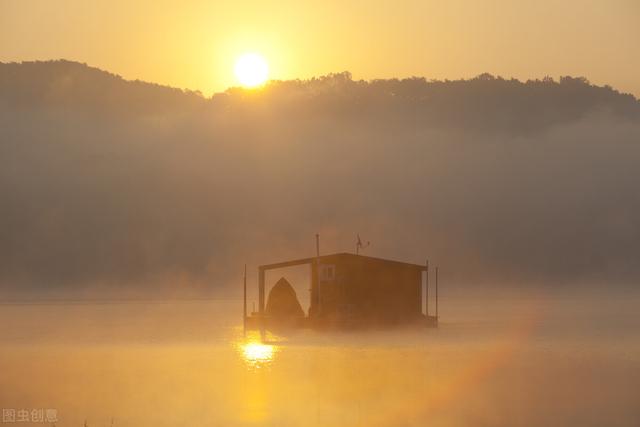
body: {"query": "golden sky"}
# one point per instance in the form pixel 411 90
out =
pixel 193 43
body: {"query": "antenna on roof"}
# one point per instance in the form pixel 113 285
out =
pixel 360 245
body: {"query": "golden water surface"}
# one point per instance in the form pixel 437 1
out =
pixel 545 362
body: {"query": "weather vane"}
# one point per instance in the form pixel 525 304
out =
pixel 360 245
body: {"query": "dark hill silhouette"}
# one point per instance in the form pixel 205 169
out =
pixel 483 103
pixel 74 85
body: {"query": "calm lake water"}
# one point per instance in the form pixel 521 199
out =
pixel 546 361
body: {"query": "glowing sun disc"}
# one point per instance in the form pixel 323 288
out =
pixel 251 70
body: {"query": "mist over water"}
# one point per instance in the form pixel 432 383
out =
pixel 545 358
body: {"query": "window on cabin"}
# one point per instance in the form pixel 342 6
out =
pixel 327 272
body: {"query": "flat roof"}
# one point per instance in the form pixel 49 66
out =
pixel 302 261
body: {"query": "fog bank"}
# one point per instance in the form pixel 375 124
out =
pixel 116 184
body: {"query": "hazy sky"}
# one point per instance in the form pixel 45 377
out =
pixel 194 43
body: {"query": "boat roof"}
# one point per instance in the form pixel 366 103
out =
pixel 309 260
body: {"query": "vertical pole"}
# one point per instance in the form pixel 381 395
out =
pixel 317 272
pixel 261 302
pixel 314 306
pixel 261 290
pixel 426 292
pixel 436 293
pixel 244 302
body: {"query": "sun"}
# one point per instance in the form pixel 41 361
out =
pixel 251 70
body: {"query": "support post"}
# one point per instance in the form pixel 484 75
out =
pixel 317 273
pixel 426 290
pixel 261 290
pixel 244 302
pixel 436 294
pixel 261 318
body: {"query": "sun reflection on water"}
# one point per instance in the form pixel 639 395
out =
pixel 257 353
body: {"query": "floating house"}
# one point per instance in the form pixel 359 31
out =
pixel 347 290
